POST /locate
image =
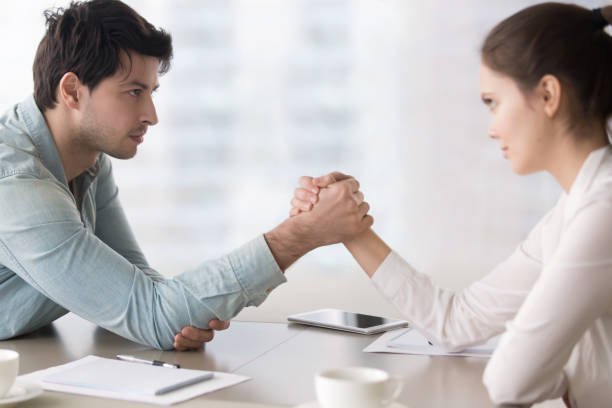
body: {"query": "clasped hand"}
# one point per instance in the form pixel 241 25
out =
pixel 335 204
pixel 333 211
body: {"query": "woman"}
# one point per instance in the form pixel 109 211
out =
pixel 546 76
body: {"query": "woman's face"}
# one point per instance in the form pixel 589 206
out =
pixel 517 124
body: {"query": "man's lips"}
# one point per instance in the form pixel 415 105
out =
pixel 138 137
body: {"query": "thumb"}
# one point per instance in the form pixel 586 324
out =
pixel 330 178
pixel 325 180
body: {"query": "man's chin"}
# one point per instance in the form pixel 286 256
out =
pixel 123 155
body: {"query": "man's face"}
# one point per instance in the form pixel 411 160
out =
pixel 117 113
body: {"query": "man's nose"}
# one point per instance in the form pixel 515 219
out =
pixel 149 114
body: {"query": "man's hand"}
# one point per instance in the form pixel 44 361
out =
pixel 339 213
pixel 192 338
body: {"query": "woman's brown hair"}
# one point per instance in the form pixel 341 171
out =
pixel 564 40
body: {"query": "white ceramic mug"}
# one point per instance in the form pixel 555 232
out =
pixel 9 367
pixel 356 387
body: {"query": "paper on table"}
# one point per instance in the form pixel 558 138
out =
pixel 125 377
pixel 410 341
pixel 220 380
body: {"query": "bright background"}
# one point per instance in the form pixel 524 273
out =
pixel 264 91
pixel 261 92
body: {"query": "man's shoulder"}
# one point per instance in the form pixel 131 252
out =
pixel 18 153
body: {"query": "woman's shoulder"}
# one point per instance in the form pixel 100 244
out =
pixel 600 186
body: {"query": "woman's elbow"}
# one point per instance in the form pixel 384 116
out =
pixel 505 393
pixel 509 386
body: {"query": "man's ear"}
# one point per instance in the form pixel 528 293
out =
pixel 549 93
pixel 70 90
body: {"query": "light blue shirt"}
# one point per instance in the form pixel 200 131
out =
pixel 59 253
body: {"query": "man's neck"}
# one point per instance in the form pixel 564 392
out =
pixel 75 156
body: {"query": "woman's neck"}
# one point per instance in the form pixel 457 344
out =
pixel 571 153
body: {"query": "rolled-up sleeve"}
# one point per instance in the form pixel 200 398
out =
pixel 44 240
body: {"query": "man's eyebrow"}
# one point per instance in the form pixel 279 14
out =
pixel 139 84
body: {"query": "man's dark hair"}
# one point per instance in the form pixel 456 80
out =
pixel 87 39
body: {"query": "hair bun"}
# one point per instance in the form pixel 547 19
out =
pixel 599 21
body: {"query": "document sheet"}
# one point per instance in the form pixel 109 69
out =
pixel 122 376
pixel 218 381
pixel 410 341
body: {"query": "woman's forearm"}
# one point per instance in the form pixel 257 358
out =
pixel 369 250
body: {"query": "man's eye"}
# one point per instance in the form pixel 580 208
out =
pixel 135 92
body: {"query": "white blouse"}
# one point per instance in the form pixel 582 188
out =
pixel 552 297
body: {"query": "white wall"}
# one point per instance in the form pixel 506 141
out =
pixel 264 91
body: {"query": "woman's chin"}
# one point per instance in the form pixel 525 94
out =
pixel 521 169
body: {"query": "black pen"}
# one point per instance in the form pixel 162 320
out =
pixel 133 359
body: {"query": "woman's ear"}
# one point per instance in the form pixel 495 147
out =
pixel 549 94
pixel 69 90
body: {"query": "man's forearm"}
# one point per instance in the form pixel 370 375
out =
pixel 290 241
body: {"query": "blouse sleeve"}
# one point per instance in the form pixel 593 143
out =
pixel 455 320
pixel 574 289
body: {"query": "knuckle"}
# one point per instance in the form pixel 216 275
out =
pixel 305 181
pixel 349 205
pixel 302 194
pixel 344 189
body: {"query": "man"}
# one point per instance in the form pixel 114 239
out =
pixel 65 244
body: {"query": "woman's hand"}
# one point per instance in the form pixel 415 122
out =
pixel 306 196
pixel 192 338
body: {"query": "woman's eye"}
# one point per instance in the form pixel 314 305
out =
pixel 490 103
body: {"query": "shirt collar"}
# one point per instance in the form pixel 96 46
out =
pixel 585 178
pixel 43 141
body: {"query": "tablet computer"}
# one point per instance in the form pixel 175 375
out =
pixel 347 321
